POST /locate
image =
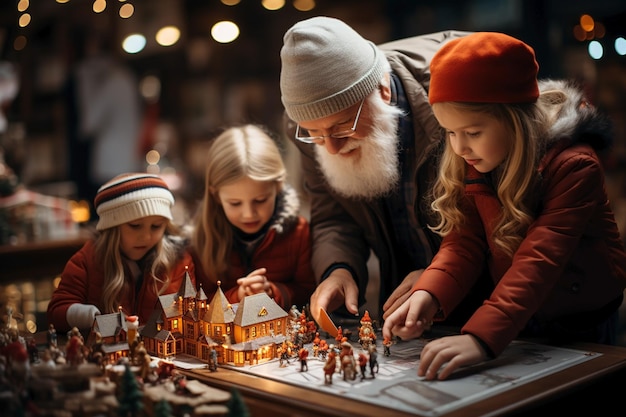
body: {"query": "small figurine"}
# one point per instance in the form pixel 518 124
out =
pixel 33 351
pixel 212 358
pixel 284 353
pixel 74 350
pixel 322 349
pixel 367 335
pixel 373 360
pixel 303 354
pixel 316 344
pixel 347 361
pixel 143 360
pixel 339 336
pixel 386 346
pixel 52 336
pixel 47 360
pixel 17 363
pixel 329 367
pixel 363 360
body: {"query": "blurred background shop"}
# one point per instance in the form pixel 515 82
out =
pixel 90 88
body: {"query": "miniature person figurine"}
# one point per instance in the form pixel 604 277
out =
pixel 316 344
pixel 366 331
pixel 74 349
pixel 47 360
pixel 373 360
pixel 212 358
pixel 386 345
pixel 18 365
pixel 347 361
pixel 363 360
pixel 52 336
pixel 97 354
pixel 339 336
pixel 33 351
pixel 132 324
pixel 303 354
pixel 144 361
pixel 322 349
pixel 329 367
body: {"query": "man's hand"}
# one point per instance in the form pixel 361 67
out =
pixel 401 293
pixel 339 288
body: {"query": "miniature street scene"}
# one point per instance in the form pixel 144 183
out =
pixel 133 367
pixel 384 373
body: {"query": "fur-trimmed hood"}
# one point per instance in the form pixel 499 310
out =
pixel 287 210
pixel 578 119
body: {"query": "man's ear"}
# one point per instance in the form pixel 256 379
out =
pixel 279 186
pixel 385 88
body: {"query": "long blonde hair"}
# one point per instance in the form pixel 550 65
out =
pixel 514 180
pixel 161 259
pixel 238 152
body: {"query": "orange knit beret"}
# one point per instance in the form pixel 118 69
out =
pixel 484 67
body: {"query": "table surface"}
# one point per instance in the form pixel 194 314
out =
pixel 582 386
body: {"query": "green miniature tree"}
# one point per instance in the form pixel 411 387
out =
pixel 236 406
pixel 130 396
pixel 162 409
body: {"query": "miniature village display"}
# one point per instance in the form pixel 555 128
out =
pixel 126 368
pixel 119 352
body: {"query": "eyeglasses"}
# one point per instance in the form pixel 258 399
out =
pixel 303 135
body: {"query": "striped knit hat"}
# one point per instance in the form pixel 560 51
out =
pixel 132 196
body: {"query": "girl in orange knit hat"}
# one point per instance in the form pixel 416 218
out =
pixel 520 195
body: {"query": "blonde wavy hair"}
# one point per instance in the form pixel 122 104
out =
pixel 238 152
pixel 161 259
pixel 514 181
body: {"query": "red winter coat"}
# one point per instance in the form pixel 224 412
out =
pixel 82 282
pixel 285 251
pixel 571 260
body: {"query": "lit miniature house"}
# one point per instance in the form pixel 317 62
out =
pixel 174 326
pixel 113 332
pixel 183 323
pixel 259 326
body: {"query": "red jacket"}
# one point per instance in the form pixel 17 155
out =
pixel 285 251
pixel 571 260
pixel 82 282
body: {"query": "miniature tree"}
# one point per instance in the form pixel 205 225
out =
pixel 162 409
pixel 130 396
pixel 236 406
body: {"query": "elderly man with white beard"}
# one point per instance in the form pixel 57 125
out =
pixel 360 116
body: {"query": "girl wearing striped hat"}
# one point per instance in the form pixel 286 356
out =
pixel 136 256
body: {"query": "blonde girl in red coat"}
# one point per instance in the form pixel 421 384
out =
pixel 521 198
pixel 136 256
pixel 248 236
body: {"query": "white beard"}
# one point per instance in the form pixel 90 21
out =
pixel 374 171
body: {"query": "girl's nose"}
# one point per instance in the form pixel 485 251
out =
pixel 458 145
pixel 248 210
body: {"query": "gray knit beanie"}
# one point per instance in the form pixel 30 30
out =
pixel 326 67
pixel 132 196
